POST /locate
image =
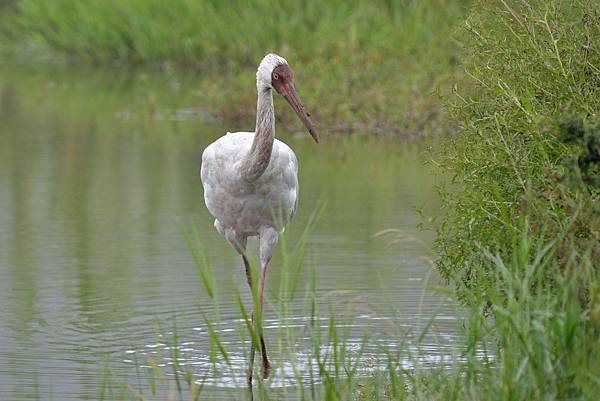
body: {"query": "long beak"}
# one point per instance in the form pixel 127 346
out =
pixel 289 93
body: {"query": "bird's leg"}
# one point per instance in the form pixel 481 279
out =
pixel 266 366
pixel 268 240
pixel 238 242
pixel 252 346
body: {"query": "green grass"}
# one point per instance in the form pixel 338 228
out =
pixel 527 113
pixel 369 67
pixel 519 238
pixel 522 338
pixel 525 339
pixel 226 34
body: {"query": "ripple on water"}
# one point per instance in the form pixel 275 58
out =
pixel 92 257
pixel 296 359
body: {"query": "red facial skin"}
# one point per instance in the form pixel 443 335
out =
pixel 282 81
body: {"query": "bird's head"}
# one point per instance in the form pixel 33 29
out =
pixel 275 73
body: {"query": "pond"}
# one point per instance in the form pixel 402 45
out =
pixel 98 175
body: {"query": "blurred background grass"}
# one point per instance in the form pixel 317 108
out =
pixel 368 67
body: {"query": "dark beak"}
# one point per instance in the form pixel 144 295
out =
pixel 288 91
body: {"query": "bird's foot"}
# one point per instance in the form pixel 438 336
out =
pixel 266 369
pixel 249 379
pixel 250 392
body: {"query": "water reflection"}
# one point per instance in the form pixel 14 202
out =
pixel 92 191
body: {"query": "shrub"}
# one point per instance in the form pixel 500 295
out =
pixel 525 146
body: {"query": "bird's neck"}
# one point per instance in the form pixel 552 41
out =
pixel 257 159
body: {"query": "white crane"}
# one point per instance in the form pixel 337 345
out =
pixel 250 180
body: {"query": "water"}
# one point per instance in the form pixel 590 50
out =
pixel 98 169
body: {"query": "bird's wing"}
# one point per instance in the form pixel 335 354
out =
pixel 288 163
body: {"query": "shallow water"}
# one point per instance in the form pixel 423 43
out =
pixel 98 169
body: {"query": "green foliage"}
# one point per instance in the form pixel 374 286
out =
pixel 520 235
pixel 7 14
pixel 529 64
pixel 526 337
pixel 368 65
pixel 586 162
pixel 218 33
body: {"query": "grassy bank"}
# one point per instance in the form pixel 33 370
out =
pixel 528 136
pixel 520 235
pixel 521 343
pixel 371 67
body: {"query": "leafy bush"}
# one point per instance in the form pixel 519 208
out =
pixel 531 66
pixel 586 162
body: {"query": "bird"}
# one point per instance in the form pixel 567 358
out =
pixel 250 182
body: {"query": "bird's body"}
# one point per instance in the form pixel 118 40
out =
pixel 243 206
pixel 250 181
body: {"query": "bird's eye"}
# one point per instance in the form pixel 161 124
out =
pixel 275 76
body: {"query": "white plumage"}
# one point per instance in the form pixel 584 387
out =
pixel 250 179
pixel 243 206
